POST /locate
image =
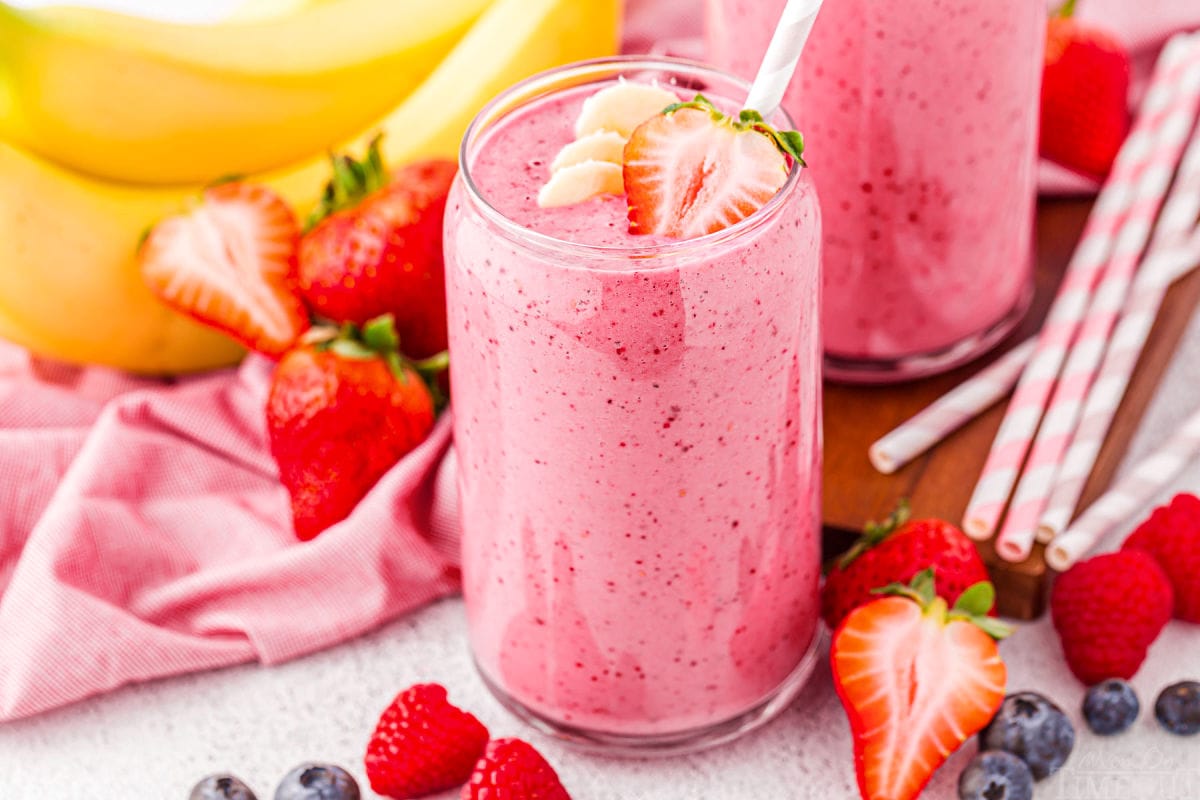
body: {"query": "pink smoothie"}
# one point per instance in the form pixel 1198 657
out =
pixel 922 118
pixel 638 445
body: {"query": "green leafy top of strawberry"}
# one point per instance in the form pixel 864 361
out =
pixel 876 532
pixel 972 605
pixel 352 181
pixel 1066 10
pixel 790 143
pixel 378 339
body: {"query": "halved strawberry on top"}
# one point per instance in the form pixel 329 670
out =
pixel 230 262
pixel 694 170
pixel 917 679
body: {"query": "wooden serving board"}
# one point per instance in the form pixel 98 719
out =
pixel 940 482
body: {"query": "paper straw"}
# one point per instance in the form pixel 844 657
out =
pixel 951 411
pixel 1174 252
pixel 1112 293
pixel 1066 315
pixel 783 53
pixel 1131 493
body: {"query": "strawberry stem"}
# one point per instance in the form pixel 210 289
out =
pixel 876 532
pixel 1066 10
pixel 352 181
pixel 790 143
pixel 972 605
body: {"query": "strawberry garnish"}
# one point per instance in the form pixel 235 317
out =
pixel 342 410
pixel 423 744
pixel 1085 89
pixel 917 679
pixel 693 170
pixel 513 770
pixel 230 262
pixel 375 247
pixel 894 551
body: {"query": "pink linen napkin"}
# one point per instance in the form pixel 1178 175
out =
pixel 145 533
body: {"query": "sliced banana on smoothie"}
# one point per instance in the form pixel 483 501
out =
pixel 599 146
pixel 621 108
pixel 591 164
pixel 582 181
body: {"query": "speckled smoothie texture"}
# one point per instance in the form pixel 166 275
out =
pixel 922 120
pixel 639 448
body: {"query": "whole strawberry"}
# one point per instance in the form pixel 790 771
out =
pixel 340 413
pixel 894 552
pixel 1171 536
pixel 1108 610
pixel 423 744
pixel 512 770
pixel 376 248
pixel 1085 95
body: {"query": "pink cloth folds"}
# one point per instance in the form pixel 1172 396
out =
pixel 145 534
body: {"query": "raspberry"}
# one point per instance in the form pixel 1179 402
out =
pixel 1172 538
pixel 423 744
pixel 1108 610
pixel 512 770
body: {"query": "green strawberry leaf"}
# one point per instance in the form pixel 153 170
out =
pixel 349 348
pixel 876 532
pixel 977 600
pixel 993 627
pixel 352 181
pixel 379 334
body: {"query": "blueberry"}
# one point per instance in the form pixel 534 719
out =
pixel 995 775
pixel 1178 708
pixel 1032 728
pixel 317 782
pixel 221 787
pixel 1110 707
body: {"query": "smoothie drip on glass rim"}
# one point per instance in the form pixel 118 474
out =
pixel 638 432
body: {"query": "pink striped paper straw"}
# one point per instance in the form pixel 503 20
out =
pixel 1174 252
pixel 951 411
pixel 1133 492
pixel 1083 357
pixel 1066 315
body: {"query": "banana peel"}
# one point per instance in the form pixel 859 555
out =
pixel 70 287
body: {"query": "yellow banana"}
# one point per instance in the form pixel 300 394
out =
pixel 145 101
pixel 69 284
pixel 269 9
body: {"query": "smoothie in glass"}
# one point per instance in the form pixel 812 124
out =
pixel 637 424
pixel 923 119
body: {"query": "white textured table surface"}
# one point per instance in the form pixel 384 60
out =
pixel 156 740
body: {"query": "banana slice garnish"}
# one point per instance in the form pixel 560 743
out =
pixel 591 164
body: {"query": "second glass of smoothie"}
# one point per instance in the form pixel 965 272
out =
pixel 924 118
pixel 637 422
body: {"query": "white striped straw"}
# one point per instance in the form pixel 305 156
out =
pixel 783 53
pixel 1174 252
pixel 951 411
pixel 1112 293
pixel 1091 257
pixel 1131 493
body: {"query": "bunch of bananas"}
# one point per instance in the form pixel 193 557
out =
pixel 110 122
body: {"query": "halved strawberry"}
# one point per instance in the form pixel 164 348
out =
pixel 693 170
pixel 230 263
pixel 916 680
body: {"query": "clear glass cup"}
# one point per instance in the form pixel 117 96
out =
pixel 923 117
pixel 638 434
